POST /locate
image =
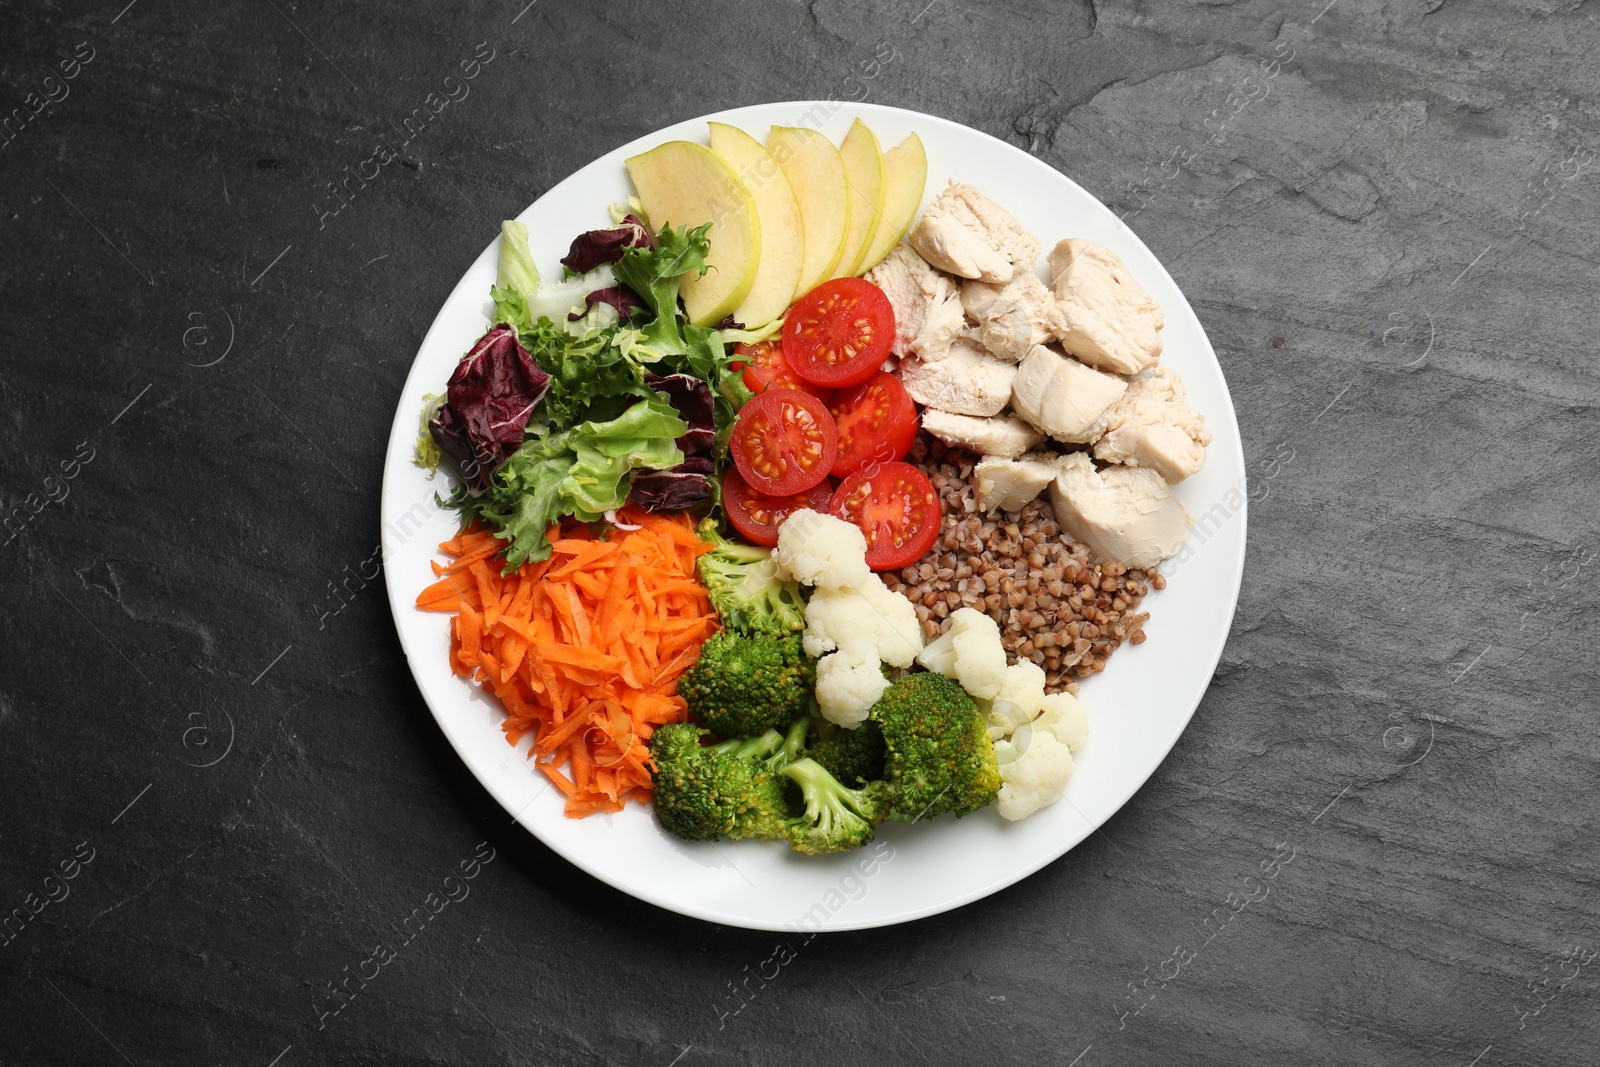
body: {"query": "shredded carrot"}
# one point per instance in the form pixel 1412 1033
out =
pixel 583 650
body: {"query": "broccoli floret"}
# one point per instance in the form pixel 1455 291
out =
pixel 745 684
pixel 836 818
pixel 939 757
pixel 721 791
pixel 852 756
pixel 744 586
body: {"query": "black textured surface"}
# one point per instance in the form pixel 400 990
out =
pixel 1385 213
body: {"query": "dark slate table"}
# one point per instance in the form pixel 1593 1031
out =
pixel 1374 845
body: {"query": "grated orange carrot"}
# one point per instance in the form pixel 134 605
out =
pixel 584 649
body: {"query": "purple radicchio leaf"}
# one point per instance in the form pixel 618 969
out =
pixel 625 300
pixel 591 249
pixel 670 490
pixel 698 442
pixel 690 396
pixel 490 398
pixel 696 465
pixel 689 483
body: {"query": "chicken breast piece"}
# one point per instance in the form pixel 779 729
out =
pixel 1008 484
pixel 966 382
pixel 978 297
pixel 1128 514
pixel 1151 426
pixel 969 235
pixel 1062 397
pixel 1108 320
pixel 1011 319
pixel 927 306
pixel 1004 436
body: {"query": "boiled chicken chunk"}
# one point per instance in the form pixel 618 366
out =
pixel 978 297
pixel 969 235
pixel 1109 321
pixel 1005 436
pixel 1012 318
pixel 1062 397
pixel 968 381
pixel 1128 514
pixel 1008 484
pixel 927 307
pixel 1151 426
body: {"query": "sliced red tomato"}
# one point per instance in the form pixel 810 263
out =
pixel 763 367
pixel 839 333
pixel 757 516
pixel 897 510
pixel 877 423
pixel 784 442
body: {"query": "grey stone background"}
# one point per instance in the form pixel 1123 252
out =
pixel 1374 845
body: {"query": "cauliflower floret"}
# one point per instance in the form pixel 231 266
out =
pixel 1019 700
pixel 970 652
pixel 821 550
pixel 895 621
pixel 869 610
pixel 849 682
pixel 940 653
pixel 1063 716
pixel 1034 769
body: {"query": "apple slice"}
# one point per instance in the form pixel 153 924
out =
pixel 863 172
pixel 905 173
pixel 783 236
pixel 685 184
pixel 816 174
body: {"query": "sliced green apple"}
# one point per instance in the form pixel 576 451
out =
pixel 687 184
pixel 783 235
pixel 905 174
pixel 816 174
pixel 863 173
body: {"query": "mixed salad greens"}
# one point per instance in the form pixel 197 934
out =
pixel 633 397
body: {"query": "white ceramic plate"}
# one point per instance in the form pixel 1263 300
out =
pixel 1137 708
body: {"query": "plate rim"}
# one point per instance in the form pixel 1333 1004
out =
pixel 405 423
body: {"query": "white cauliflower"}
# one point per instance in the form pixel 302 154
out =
pixel 854 622
pixel 820 550
pixel 1020 698
pixel 1062 716
pixel 849 682
pixel 1034 769
pixel 970 652
pixel 869 610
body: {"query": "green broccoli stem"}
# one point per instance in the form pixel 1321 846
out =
pixel 758 747
pixel 739 552
pixel 736 551
pixel 825 798
pixel 795 741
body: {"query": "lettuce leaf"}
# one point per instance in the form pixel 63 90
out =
pixel 516 262
pixel 590 377
pixel 678 348
pixel 426 453
pixel 582 472
pixel 654 274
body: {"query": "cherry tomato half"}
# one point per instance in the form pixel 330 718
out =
pixel 763 367
pixel 784 442
pixel 897 510
pixel 839 333
pixel 757 516
pixel 877 423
